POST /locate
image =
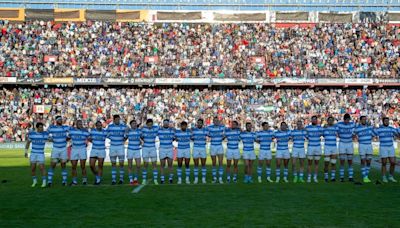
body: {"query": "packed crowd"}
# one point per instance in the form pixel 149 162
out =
pixel 272 105
pixel 105 49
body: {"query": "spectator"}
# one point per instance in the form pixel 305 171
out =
pixel 105 49
pixel 272 105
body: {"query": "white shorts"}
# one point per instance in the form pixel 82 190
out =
pixel 117 151
pixel 216 150
pixel 314 151
pixel 133 154
pixel 298 152
pixel 386 152
pixel 59 153
pixel 249 155
pixel 365 149
pixel 166 153
pixel 282 154
pixel 37 158
pixel 78 153
pixel 330 150
pixel 232 154
pixel 199 152
pixel 346 148
pixel 183 153
pixel 149 154
pixel 99 153
pixel 264 154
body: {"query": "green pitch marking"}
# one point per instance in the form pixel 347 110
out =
pixel 140 187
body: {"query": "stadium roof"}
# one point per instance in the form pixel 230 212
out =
pixel 238 5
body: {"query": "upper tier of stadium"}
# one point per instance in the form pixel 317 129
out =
pixel 39 49
pixel 237 5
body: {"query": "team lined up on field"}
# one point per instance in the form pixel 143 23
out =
pixel 142 147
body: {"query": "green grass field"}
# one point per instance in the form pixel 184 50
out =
pixel 211 205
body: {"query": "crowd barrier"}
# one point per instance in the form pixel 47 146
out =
pixel 70 81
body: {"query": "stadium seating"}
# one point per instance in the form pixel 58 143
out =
pixel 23 106
pixel 105 49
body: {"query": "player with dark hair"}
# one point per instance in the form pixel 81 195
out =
pixel 149 151
pixel 116 134
pixel 79 137
pixel 298 151
pixel 283 136
pixel 98 139
pixel 166 136
pixel 183 137
pixel 314 133
pixel 199 137
pixel 386 134
pixel 346 147
pixel 133 135
pixel 330 149
pixel 364 134
pixel 38 139
pixel 264 138
pixel 59 136
pixel 232 153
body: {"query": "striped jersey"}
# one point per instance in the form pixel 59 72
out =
pixel 149 136
pixel 38 140
pixel 346 131
pixel 330 135
pixel 133 136
pixel 298 137
pixel 199 136
pixel 78 137
pixel 233 137
pixel 364 134
pixel 216 133
pixel 166 137
pixel 98 139
pixel 248 139
pixel 183 138
pixel 59 135
pixel 116 134
pixel 282 139
pixel 314 133
pixel 265 138
pixel 386 135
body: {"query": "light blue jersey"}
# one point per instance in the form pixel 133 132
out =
pixel 216 133
pixel 265 139
pixel 166 137
pixel 330 135
pixel 133 136
pixel 282 139
pixel 385 135
pixel 183 138
pixel 78 137
pixel 233 137
pixel 314 133
pixel 149 136
pixel 299 138
pixel 199 136
pixel 345 132
pixel 38 140
pixel 364 134
pixel 59 135
pixel 98 139
pixel 248 139
pixel 116 133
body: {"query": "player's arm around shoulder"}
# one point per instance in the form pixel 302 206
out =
pixel 27 144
